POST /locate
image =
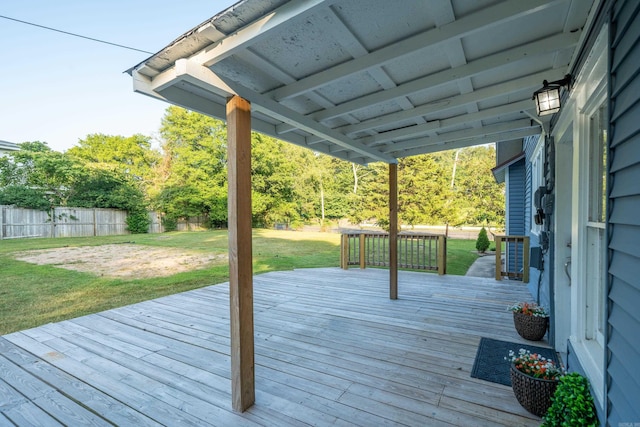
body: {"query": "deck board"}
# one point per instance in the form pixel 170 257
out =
pixel 331 349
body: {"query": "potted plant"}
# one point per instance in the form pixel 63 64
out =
pixel 572 403
pixel 534 380
pixel 530 319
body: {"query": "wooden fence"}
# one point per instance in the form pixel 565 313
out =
pixel 196 223
pixel 16 223
pixel 416 251
pixel 60 222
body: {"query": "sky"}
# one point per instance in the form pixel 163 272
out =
pixel 58 89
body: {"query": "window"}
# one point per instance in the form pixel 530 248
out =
pixel 598 165
pixel 537 180
pixel 596 274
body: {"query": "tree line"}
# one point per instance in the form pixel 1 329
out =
pixel 187 177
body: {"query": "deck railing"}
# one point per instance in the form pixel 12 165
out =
pixel 416 251
pixel 516 252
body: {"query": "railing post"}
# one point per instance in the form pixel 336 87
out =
pixel 498 240
pixel 442 255
pixel 344 252
pixel 362 250
pixel 525 259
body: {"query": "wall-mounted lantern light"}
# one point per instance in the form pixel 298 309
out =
pixel 548 97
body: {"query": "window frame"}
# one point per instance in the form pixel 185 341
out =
pixel 588 94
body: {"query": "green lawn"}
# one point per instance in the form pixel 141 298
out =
pixel 32 295
pixel 460 255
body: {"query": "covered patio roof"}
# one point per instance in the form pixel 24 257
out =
pixel 373 80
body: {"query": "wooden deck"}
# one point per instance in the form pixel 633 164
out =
pixel 331 349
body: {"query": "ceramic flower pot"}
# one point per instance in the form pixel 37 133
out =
pixel 529 327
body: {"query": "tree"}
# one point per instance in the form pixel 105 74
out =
pixel 476 184
pixel 190 179
pixel 482 242
pixel 24 197
pixel 431 191
pixel 46 172
pixel 424 189
pixel 320 187
pixel 372 200
pixel 292 184
pixel 131 156
pixel 101 188
pixel 273 174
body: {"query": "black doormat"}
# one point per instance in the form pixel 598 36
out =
pixel 490 364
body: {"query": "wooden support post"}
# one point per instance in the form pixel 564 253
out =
pixel 393 231
pixel 362 250
pixel 442 255
pixel 240 258
pixel 498 240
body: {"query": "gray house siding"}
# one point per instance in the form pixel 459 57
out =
pixel 623 340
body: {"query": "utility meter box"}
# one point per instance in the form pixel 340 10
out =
pixel 536 258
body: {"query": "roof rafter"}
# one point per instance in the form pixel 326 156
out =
pixel 487 63
pixel 485 18
pixel 173 93
pixel 469 142
pixel 441 125
pixel 461 134
pixel 350 42
pixel 201 76
pixel 295 9
pixel 441 105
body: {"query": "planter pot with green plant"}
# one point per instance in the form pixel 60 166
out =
pixel 572 404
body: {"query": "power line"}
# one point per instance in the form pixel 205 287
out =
pixel 75 35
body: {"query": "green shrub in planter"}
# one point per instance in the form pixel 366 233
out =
pixel 572 404
pixel 482 244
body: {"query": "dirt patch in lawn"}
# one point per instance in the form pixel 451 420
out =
pixel 123 260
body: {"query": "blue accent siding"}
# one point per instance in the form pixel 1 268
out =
pixel 516 202
pixel 623 221
pixel 515 207
pixel 529 145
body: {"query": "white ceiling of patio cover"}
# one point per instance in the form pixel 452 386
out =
pixel 373 80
